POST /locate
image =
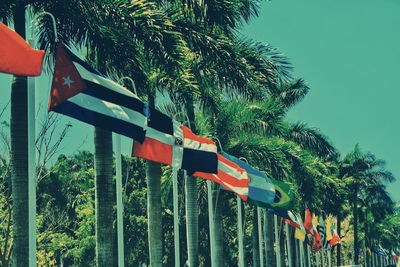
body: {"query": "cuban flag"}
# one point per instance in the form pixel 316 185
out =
pixel 230 176
pixel 170 143
pixel 261 188
pixel 83 93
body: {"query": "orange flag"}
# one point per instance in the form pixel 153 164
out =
pixel 16 55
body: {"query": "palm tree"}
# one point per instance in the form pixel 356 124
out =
pixel 361 171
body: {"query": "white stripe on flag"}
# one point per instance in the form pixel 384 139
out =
pixel 160 136
pixel 189 143
pixel 231 171
pixel 93 77
pixel 244 191
pixel 109 109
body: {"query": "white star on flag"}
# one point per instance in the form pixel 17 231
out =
pixel 67 81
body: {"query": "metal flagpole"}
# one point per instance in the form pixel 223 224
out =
pixel 119 192
pixel 260 236
pixel 266 238
pixel 329 257
pixel 240 231
pixel 176 215
pixel 308 255
pixel 211 222
pixel 32 179
pixel 277 245
pixel 289 248
pixel 120 207
pixel 301 249
pixel 322 256
pixel 31 169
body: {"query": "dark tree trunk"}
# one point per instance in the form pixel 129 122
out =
pixel 155 235
pixel 254 240
pixel 339 232
pixel 19 155
pixel 104 197
pixel 269 240
pixel 355 218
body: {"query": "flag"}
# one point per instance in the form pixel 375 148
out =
pixel 17 56
pixel 168 142
pixel 230 176
pixel 322 232
pixel 261 188
pixel 328 229
pixel 291 218
pixel 283 196
pixel 308 225
pixel 316 234
pixel 335 237
pixel 83 93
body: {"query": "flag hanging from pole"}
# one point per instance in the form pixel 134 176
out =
pixel 17 56
pixel 322 232
pixel 230 176
pixel 83 93
pixel 170 143
pixel 261 188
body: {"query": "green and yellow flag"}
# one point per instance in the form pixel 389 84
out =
pixel 283 197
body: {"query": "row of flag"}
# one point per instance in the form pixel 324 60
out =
pixel 80 91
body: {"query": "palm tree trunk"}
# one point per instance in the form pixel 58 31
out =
pixel 155 235
pixel 153 173
pixel 254 240
pixel 338 255
pixel 104 194
pixel 19 155
pixel 192 212
pixel 269 240
pixel 219 240
pixel 355 218
pixel 192 220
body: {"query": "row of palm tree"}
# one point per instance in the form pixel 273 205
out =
pixel 221 84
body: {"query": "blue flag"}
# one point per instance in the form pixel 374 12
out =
pixel 261 188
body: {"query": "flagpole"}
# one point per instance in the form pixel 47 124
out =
pixel 240 231
pixel 329 257
pixel 308 255
pixel 277 245
pixel 211 222
pixel 267 244
pixel 301 249
pixel 289 248
pixel 260 236
pixel 322 256
pixel 31 168
pixel 176 215
pixel 120 206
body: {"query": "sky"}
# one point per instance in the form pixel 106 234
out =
pixel 348 51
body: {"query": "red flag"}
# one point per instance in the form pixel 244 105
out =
pixel 230 176
pixel 16 55
pixel 308 225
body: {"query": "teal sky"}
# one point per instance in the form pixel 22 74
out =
pixel 349 53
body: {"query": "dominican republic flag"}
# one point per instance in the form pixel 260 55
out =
pixel 230 176
pixel 17 56
pixel 83 93
pixel 261 188
pixel 170 143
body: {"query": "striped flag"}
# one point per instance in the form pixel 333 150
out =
pixel 168 142
pixel 261 189
pixel 230 176
pixel 83 93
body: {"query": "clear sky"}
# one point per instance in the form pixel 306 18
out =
pixel 349 53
